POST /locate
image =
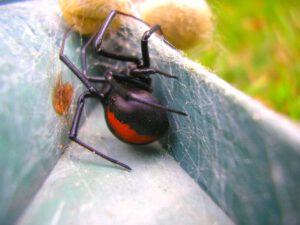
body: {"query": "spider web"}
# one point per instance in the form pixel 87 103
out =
pixel 242 154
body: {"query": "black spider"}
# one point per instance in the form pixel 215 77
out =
pixel 132 113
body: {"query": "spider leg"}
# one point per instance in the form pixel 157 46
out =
pixel 73 68
pixel 142 21
pixel 75 128
pixel 103 53
pixel 110 17
pixel 144 44
pixel 149 71
pixel 98 39
pixel 99 36
pixel 81 75
pixel 124 93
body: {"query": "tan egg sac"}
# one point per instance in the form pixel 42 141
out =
pixel 88 15
pixel 185 23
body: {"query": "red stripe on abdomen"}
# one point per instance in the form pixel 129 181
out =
pixel 125 133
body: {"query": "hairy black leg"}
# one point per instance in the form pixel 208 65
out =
pixel 124 93
pixel 98 39
pixel 103 53
pixel 149 71
pixel 72 67
pixel 109 19
pixel 99 36
pixel 81 75
pixel 144 44
pixel 75 128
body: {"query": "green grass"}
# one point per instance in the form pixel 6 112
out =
pixel 256 47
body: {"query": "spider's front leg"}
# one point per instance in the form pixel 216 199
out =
pixel 99 37
pixel 73 68
pixel 73 135
pixel 143 67
pixel 83 76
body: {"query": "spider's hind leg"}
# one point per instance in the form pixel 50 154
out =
pixel 73 135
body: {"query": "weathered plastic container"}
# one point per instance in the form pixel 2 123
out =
pixel 231 161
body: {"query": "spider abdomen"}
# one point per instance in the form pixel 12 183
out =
pixel 134 122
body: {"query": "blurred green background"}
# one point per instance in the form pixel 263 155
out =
pixel 256 47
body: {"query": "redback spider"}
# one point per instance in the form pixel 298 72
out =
pixel 132 113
